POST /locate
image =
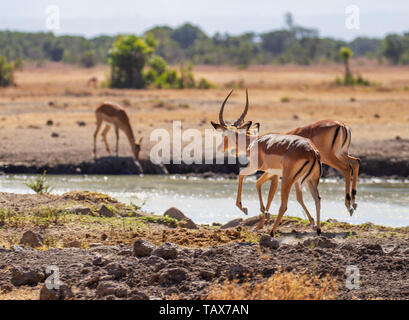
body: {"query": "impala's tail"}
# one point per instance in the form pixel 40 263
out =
pixel 310 169
pixel 341 140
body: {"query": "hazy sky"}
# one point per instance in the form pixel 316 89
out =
pixel 92 17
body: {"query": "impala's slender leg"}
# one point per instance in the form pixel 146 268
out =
pixel 355 164
pixel 99 123
pixel 313 186
pixel 117 139
pixel 301 202
pixel 271 193
pixel 265 177
pixel 104 137
pixel 286 184
pixel 345 168
pixel 243 173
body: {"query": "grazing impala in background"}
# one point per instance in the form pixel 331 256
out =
pixel 114 114
pixel 293 157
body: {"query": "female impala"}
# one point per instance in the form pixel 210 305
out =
pixel 293 157
pixel 332 139
pixel 114 114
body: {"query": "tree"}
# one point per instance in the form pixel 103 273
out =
pixel 127 58
pixel 394 46
pixel 346 54
pixel 89 59
pixel 187 35
pixel 6 72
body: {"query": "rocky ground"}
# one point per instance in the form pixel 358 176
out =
pixel 104 249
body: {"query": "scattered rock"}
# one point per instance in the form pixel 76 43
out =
pixel 232 224
pixel 61 292
pixel 372 249
pixel 188 224
pixel 97 261
pixel 116 270
pixel 125 252
pixel 26 276
pixel 296 117
pixel 79 209
pixel 175 214
pixel 269 242
pixel 108 288
pixel 376 116
pixel 237 271
pixel 173 275
pixel 252 221
pixel 55 135
pixel 321 242
pixel 81 123
pixel 104 237
pixel 104 211
pixel 74 244
pixel 137 295
pixel 143 248
pixel 207 274
pixel 32 239
pixel 154 260
pixel 166 251
pixel 49 122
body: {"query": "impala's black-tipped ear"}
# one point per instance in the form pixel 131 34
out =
pixel 256 126
pixel 217 126
pixel 246 126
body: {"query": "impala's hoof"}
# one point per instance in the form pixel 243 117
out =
pixel 354 205
pixel 351 211
pixel 267 215
pixel 245 211
pixel 318 231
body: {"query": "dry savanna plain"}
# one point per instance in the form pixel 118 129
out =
pixel 105 249
pixel 281 98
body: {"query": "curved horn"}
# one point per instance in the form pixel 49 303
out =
pixel 222 108
pixel 240 120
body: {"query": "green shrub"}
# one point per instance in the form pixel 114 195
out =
pixel 128 58
pixel 39 184
pixel 205 84
pixel 6 72
pixel 89 59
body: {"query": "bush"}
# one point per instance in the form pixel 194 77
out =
pixel 89 59
pixel 128 58
pixel 6 72
pixel 39 184
pixel 205 84
pixel 281 286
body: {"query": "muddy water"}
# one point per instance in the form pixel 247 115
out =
pixel 206 201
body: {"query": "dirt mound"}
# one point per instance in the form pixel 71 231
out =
pixel 112 272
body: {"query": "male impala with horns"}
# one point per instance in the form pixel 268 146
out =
pixel 292 157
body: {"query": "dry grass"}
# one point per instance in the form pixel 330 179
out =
pixel 281 286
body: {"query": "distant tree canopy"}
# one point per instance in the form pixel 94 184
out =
pixel 189 44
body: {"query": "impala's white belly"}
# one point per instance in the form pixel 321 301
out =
pixel 278 172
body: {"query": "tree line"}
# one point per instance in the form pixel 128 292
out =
pixel 189 44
